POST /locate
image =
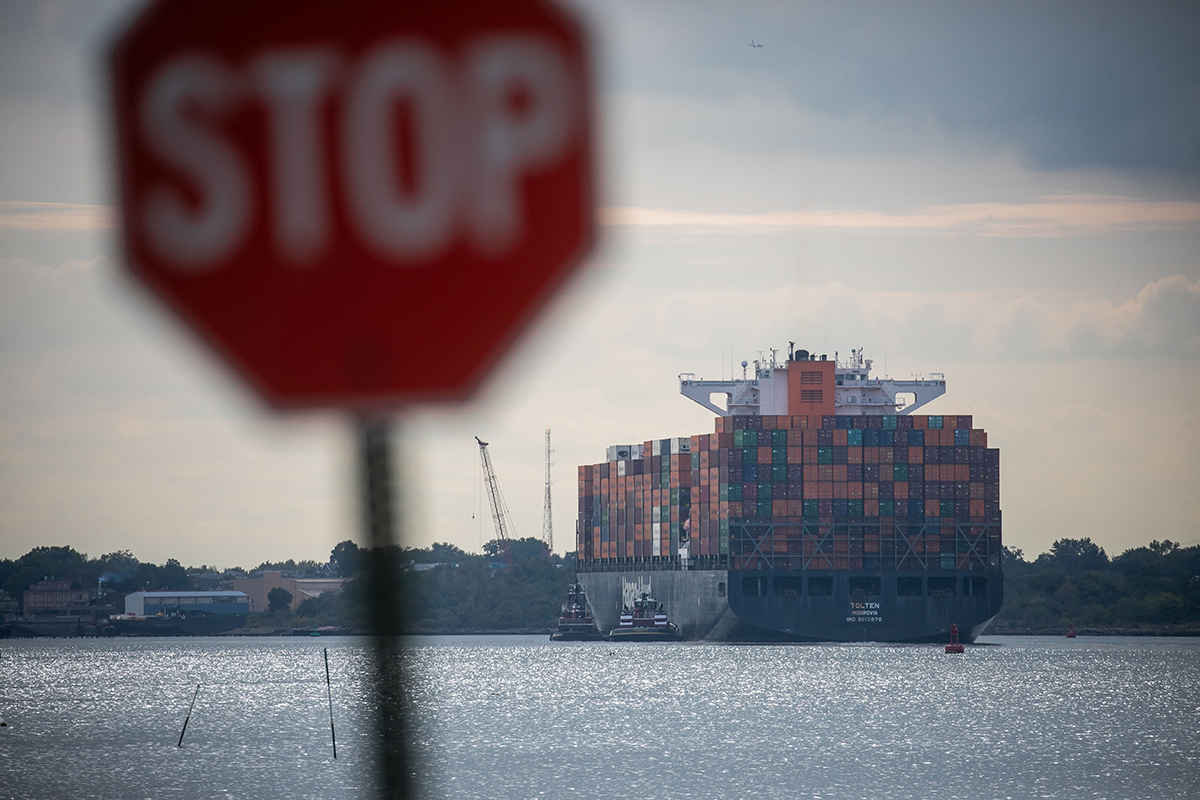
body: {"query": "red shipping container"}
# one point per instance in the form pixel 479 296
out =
pixel 810 440
pixel 978 438
pixel 779 508
pixel 871 508
pixel 764 455
pixel 839 472
pixel 976 507
pixel 810 472
pixel 840 490
pixel 854 490
pixel 871 455
pixel 854 455
pixel 962 473
pixel 916 455
pixel 794 455
pixel 825 490
pixel 920 422
pixel 870 490
pixel 932 508
pixel 839 437
pixel 900 490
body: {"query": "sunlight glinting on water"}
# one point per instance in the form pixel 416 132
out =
pixel 520 717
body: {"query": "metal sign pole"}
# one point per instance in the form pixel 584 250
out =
pixel 375 461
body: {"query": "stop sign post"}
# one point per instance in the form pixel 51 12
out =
pixel 357 205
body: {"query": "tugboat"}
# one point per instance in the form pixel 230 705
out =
pixel 576 623
pixel 645 622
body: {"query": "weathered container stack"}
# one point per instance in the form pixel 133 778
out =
pixel 841 492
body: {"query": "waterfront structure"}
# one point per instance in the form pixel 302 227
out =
pixel 149 604
pixel 55 607
pixel 56 598
pixel 820 508
pixel 301 589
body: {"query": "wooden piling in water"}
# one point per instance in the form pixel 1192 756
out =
pixel 329 694
pixel 189 716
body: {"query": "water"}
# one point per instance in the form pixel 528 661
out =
pixel 519 717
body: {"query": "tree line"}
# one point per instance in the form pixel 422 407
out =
pixel 447 589
pixel 444 587
pixel 1155 587
pixel 1076 583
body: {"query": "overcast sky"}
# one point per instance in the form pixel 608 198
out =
pixel 1006 193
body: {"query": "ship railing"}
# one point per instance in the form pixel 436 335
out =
pixel 752 545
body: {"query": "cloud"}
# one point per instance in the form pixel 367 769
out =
pixel 1161 321
pixel 1066 85
pixel 1052 215
pixel 30 216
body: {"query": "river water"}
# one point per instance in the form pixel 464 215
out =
pixel 519 717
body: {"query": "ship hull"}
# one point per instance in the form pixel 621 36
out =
pixel 577 635
pixel 194 625
pixel 714 605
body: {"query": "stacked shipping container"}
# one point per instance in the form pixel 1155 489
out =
pixel 799 492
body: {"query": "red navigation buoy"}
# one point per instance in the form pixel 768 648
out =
pixel 954 646
pixel 1070 630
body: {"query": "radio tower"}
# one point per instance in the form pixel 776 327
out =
pixel 547 516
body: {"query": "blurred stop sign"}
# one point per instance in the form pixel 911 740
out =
pixel 357 204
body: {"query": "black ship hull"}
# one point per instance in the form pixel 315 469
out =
pixel 192 625
pixel 780 606
pixel 577 634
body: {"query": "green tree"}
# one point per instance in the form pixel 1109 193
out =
pixel 346 558
pixel 278 599
pixel 1077 555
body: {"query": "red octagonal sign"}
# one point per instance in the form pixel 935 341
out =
pixel 357 204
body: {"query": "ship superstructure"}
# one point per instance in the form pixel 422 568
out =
pixel 807 383
pixel 840 515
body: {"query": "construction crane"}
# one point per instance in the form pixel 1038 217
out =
pixel 500 514
pixel 547 516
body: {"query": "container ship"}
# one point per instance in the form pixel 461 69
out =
pixel 821 508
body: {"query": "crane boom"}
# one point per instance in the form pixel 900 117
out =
pixel 548 516
pixel 496 501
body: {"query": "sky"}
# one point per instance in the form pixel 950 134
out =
pixel 1006 193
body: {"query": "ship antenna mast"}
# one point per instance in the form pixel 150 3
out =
pixel 547 516
pixel 496 500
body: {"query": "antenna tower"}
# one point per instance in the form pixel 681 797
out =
pixel 500 514
pixel 547 516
